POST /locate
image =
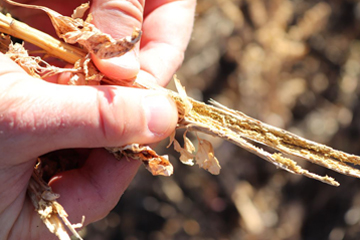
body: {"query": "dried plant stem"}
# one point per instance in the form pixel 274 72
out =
pixel 238 128
pixel 49 210
pixel 218 120
pixel 52 46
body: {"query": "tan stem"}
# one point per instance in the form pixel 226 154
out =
pixel 50 44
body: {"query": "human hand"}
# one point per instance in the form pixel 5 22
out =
pixel 37 117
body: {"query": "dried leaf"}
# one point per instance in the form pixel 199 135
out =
pixel 79 12
pixel 34 66
pixel 205 157
pixel 18 54
pixel 186 157
pixel 157 165
pixel 86 73
pixel 86 34
pixel 188 145
pixel 187 152
pixel 171 138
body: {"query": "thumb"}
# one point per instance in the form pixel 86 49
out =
pixel 39 117
pixel 118 18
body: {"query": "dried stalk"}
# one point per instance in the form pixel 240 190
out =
pixel 52 46
pixel 49 210
pixel 238 128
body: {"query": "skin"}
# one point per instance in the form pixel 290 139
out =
pixel 37 117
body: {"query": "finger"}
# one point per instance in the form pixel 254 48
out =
pixel 167 28
pixel 118 18
pixel 41 117
pixel 100 184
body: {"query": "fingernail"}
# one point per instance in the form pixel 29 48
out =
pixel 123 67
pixel 160 112
pixel 127 61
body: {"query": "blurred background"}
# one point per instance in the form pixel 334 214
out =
pixel 293 64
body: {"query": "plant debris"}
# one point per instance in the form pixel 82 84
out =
pixel 76 30
pixel 157 165
pixel 50 211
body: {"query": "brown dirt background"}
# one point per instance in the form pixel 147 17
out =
pixel 293 64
